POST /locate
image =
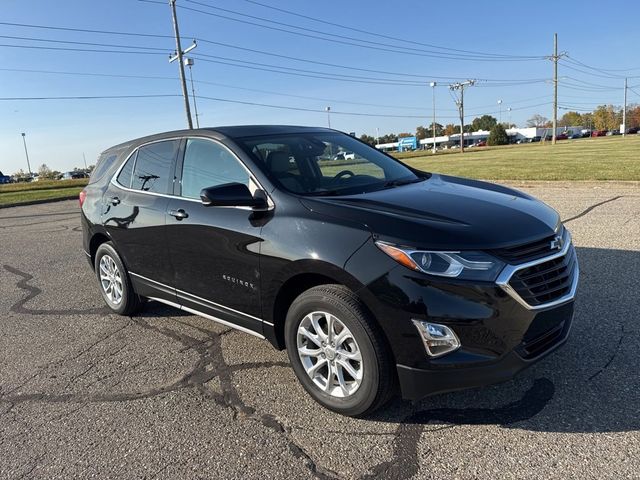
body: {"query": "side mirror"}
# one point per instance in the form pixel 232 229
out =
pixel 232 195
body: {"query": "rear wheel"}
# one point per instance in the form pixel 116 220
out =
pixel 115 284
pixel 337 351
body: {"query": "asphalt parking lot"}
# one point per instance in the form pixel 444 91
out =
pixel 84 393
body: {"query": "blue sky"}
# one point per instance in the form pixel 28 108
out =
pixel 59 132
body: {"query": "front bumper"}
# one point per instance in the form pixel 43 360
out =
pixel 500 334
pixel 417 383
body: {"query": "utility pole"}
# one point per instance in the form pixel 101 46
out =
pixel 433 122
pixel 461 86
pixel 554 58
pixel 624 111
pixel 377 136
pixel 24 141
pixel 85 161
pixel 178 56
pixel 189 63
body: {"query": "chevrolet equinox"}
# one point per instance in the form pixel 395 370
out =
pixel 373 275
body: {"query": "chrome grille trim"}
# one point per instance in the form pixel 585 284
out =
pixel 507 273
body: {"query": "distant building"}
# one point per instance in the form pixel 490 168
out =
pixel 447 141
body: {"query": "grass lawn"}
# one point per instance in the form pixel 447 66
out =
pixel 602 158
pixel 43 190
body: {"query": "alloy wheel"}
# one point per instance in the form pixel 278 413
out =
pixel 330 354
pixel 111 279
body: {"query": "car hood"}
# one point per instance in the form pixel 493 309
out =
pixel 444 212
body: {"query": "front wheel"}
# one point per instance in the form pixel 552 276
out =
pixel 337 351
pixel 115 284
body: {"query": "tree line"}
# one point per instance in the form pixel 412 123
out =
pixel 604 117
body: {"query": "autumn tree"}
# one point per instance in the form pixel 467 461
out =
pixel 451 129
pixel 570 119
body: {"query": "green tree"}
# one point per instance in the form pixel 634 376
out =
pixel 498 136
pixel 571 119
pixel 485 122
pixel 427 132
pixel 368 139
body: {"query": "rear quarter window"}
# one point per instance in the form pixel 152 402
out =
pixel 105 162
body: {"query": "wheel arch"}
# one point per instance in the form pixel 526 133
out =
pixel 301 277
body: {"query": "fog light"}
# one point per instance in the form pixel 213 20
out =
pixel 438 339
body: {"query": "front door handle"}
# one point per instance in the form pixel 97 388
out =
pixel 179 214
pixel 114 201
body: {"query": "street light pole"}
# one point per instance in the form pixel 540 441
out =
pixel 377 136
pixel 509 112
pixel 24 141
pixel 500 107
pixel 328 109
pixel 433 122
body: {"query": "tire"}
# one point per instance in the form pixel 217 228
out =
pixel 109 268
pixel 322 367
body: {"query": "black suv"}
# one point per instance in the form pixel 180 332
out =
pixel 370 273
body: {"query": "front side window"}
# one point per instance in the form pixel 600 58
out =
pixel 152 171
pixel 209 164
pixel 326 163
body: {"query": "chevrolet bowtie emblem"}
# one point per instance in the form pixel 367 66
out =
pixel 557 243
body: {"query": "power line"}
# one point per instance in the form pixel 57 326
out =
pixel 363 44
pixel 269 92
pixel 89 44
pixel 71 49
pixel 88 97
pixel 261 52
pixel 477 55
pixel 379 35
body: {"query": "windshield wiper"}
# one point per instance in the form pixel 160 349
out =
pixel 325 193
pixel 399 182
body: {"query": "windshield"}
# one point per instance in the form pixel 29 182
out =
pixel 326 163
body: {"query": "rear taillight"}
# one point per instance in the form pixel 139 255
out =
pixel 82 197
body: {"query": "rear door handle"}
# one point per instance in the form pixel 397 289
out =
pixel 114 201
pixel 179 214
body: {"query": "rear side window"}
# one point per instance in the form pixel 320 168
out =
pixel 104 163
pixel 208 164
pixel 153 166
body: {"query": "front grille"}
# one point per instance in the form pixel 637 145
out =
pixel 546 281
pixel 525 252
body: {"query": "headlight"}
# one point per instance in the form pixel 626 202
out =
pixel 464 265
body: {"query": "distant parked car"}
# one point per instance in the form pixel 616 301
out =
pixel 344 156
pixel 481 143
pixel 562 136
pixel 599 133
pixel 610 133
pixel 633 130
pixel 73 175
pixel 574 136
pixel 5 178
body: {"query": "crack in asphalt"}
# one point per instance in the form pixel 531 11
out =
pixel 211 365
pixel 616 349
pixel 589 209
pixel 32 292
